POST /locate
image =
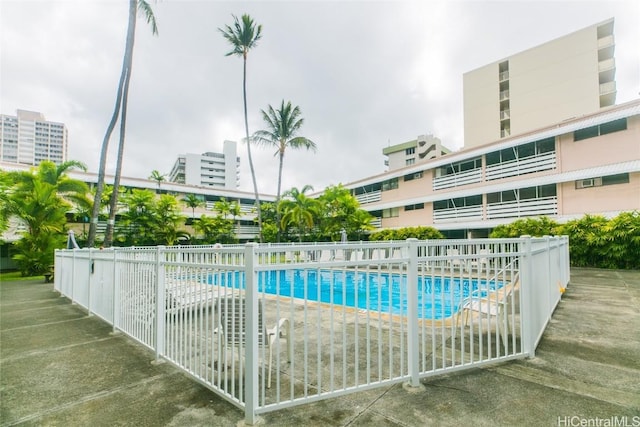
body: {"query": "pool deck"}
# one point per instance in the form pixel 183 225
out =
pixel 60 367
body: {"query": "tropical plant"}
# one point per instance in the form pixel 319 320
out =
pixel 158 177
pixel 420 233
pixel 121 104
pixel 535 227
pixel 223 207
pixel 298 210
pixel 41 198
pixel 151 220
pixel 337 206
pixel 243 36
pixel 193 201
pixel 214 230
pixel 283 126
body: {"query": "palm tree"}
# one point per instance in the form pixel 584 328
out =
pixel 158 177
pixel 298 209
pixel 121 102
pixel 283 125
pixel 192 201
pixel 243 37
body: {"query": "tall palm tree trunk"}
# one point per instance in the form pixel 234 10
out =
pixel 126 70
pixel 281 154
pixel 246 129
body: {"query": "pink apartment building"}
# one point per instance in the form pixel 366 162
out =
pixel 543 136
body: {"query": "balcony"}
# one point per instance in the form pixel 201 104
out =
pixel 505 133
pixel 504 95
pixel 607 64
pixel 505 114
pixel 607 88
pixel 371 197
pixel 457 179
pixel 458 214
pixel 503 76
pixel 531 164
pixel 605 41
pixel 520 208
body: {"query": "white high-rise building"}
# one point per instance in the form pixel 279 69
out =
pixel 209 169
pixel 29 139
pixel 559 80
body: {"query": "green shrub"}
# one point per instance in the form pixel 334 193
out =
pixel 420 233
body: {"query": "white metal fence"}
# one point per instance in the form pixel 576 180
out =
pixel 272 326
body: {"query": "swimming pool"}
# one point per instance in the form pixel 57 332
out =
pixel 438 297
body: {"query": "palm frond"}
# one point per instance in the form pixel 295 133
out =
pixel 145 8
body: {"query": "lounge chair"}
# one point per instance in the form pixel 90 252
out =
pixel 232 329
pixel 489 304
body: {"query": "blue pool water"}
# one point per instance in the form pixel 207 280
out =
pixel 438 297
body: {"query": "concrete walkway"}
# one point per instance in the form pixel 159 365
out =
pixel 60 367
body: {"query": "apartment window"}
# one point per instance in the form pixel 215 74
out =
pixel 390 184
pixel 536 148
pixel 417 206
pixel 391 213
pixel 458 202
pixel 410 151
pixel 528 193
pixel 413 176
pixel 603 129
pixel 455 168
pixel 409 162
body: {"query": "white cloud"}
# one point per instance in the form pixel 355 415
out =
pixel 365 74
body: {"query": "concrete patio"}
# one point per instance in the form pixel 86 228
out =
pixel 60 367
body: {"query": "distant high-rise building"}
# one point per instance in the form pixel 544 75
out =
pixel 208 169
pixel 421 149
pixel 559 80
pixel 29 139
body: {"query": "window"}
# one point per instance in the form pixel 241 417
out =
pixel 413 176
pixel 409 162
pixel 458 202
pixel 391 184
pixel 463 166
pixel 414 207
pixel 603 129
pixel 410 151
pixel 622 178
pixel 390 213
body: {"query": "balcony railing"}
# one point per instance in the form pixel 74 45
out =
pixel 519 208
pixel 371 197
pixel 504 76
pixel 608 87
pixel 605 41
pixel 607 64
pixel 457 179
pixel 532 164
pixel 458 214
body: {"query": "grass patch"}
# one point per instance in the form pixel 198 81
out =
pixel 15 276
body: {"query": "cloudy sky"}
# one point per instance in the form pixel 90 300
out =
pixel 365 74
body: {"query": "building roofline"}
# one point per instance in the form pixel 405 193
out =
pixel 614 112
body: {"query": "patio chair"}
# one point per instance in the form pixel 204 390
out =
pixel 489 304
pixel 232 329
pixel 454 262
pixel 482 262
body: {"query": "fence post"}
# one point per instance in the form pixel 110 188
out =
pixel 412 314
pixel 90 281
pixel 73 276
pixel 160 302
pixel 116 293
pixel 526 293
pixel 251 330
